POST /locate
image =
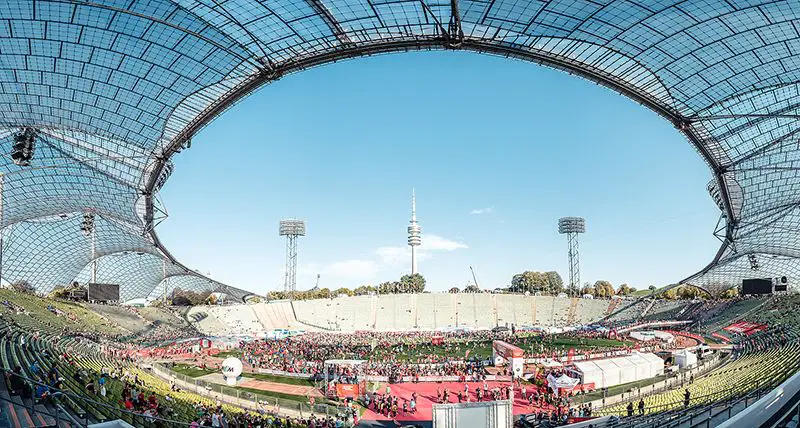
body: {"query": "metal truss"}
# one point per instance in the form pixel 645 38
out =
pixel 116 88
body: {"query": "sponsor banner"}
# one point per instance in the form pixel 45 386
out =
pixel 347 390
pixel 507 350
pixel 745 328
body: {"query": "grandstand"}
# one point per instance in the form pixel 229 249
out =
pixel 108 92
pixel 398 312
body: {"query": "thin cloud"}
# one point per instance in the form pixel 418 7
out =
pixel 479 211
pixel 389 258
pixel 437 243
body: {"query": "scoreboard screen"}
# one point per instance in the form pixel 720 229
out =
pixel 757 286
pixel 103 292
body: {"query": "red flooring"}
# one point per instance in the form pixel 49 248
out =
pixel 426 397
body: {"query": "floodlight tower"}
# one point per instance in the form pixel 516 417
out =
pixel 414 233
pixel 291 229
pixel 572 226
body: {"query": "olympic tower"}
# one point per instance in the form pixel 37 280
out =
pixel 414 233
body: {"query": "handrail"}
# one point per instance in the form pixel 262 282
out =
pixel 771 408
pixel 81 398
pixel 702 370
pixel 682 414
pixel 57 416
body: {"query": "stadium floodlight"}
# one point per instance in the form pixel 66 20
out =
pixel 23 147
pixel 90 231
pixel 572 226
pixel 291 229
pixel 754 265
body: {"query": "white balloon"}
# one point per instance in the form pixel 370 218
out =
pixel 231 369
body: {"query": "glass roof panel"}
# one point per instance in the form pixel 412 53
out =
pixel 114 88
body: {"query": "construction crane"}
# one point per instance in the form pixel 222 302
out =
pixel 474 278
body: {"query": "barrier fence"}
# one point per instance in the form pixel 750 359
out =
pixel 268 402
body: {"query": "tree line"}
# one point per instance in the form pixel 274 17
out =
pixel 407 284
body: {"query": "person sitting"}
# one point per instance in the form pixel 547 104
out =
pixel 41 394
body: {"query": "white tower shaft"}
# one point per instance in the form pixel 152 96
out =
pixel 414 233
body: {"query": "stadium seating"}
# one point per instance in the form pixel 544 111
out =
pixel 399 312
pixel 712 319
pixel 746 373
pixel 77 358
pixel 125 317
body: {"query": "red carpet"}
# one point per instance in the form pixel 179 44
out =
pixel 426 397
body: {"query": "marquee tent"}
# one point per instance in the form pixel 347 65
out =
pixel 562 382
pixel 684 358
pixel 618 370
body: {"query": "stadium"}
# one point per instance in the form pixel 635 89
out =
pixel 98 97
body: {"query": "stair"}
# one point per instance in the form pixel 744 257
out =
pixel 647 308
pixel 573 306
pixel 611 306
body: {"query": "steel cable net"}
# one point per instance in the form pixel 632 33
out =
pixel 139 78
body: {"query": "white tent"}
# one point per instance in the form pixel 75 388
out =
pixel 646 335
pixel 618 370
pixel 627 369
pixel 684 358
pixel 563 381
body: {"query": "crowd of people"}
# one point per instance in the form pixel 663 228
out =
pixel 398 356
pixel 407 354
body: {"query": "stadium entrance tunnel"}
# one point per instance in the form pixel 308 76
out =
pixel 139 81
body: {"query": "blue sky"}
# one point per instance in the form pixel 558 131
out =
pixel 497 149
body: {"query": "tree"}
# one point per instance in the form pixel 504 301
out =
pixel 412 283
pixel 343 290
pixel 519 284
pixel 670 294
pixel 472 288
pixel 686 291
pixel 588 289
pixel 554 282
pixel 535 281
pixel 454 290
pixel 652 288
pixel 364 290
pixel 624 290
pixel 729 293
pixel 277 295
pixel 389 287
pixel 603 288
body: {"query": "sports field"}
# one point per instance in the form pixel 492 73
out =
pixel 482 350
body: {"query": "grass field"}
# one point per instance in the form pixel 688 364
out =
pixel 195 372
pixel 297 398
pixel 192 371
pixel 230 353
pixel 483 349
